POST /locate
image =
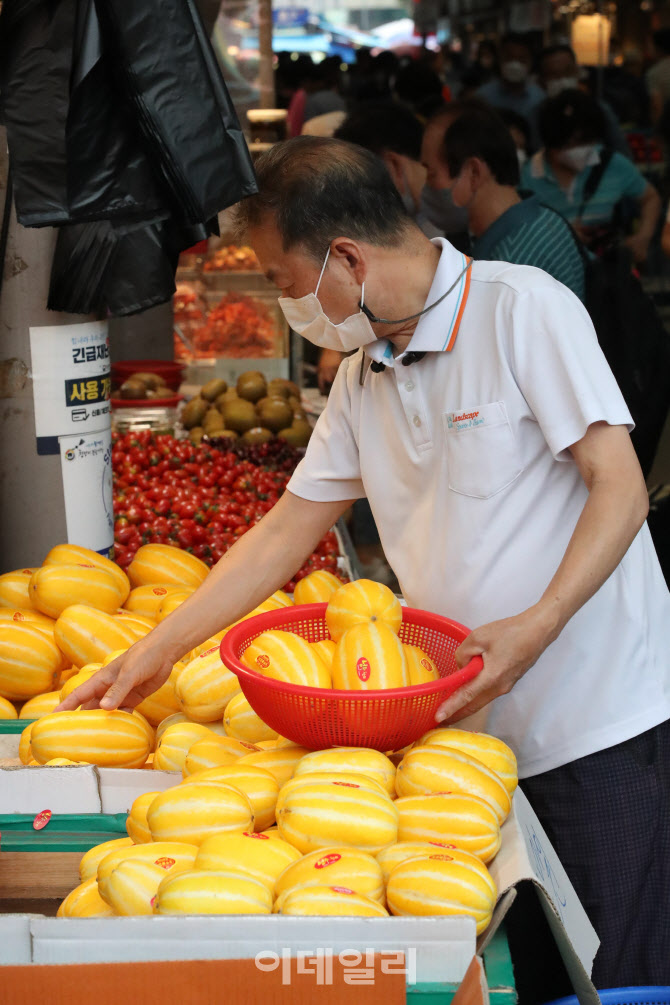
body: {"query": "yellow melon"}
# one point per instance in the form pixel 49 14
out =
pixel 145 601
pixel 172 602
pixel 25 751
pixel 316 588
pixel 356 760
pixel 136 821
pixel 466 821
pixel 360 602
pixel 421 668
pixel 88 866
pixel 132 887
pixel 346 779
pixel 108 739
pixel 392 856
pixel 8 711
pixel 55 587
pixel 174 744
pixel 280 762
pixel 205 687
pixel 369 657
pixel 443 769
pixel 452 882
pixel 258 785
pixel 41 704
pixel 241 722
pixel 85 902
pixel 330 900
pixel 74 554
pixel 176 717
pixel 287 657
pixel 488 749
pixel 168 855
pixel 86 635
pixel 209 753
pixel 253 855
pixel 201 891
pixel 32 617
pixel 340 865
pixel 78 678
pixel 195 811
pixel 325 650
pixel 161 563
pixel 15 589
pixel 323 814
pixel 136 623
pixel 162 703
pixel 204 647
pixel 30 662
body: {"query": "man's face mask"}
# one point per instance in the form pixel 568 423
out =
pixel 560 84
pixel 514 71
pixel 306 317
pixel 579 158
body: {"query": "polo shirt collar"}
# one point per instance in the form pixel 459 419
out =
pixel 437 330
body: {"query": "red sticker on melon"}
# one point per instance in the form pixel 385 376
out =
pixel 259 837
pixel 441 844
pixel 208 652
pixel 17 616
pixel 363 669
pixel 426 664
pixel 159 591
pixel 348 785
pixel 263 661
pixel 327 860
pixel 441 858
pixel 41 820
pixel 342 889
pixel 165 863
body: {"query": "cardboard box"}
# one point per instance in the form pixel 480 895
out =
pixel 78 789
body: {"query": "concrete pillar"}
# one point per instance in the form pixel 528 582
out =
pixel 32 510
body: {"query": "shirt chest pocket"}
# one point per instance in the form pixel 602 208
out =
pixel 482 453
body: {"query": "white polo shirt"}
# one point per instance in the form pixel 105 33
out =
pixel 464 458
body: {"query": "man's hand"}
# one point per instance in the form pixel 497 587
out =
pixel 124 683
pixel 509 648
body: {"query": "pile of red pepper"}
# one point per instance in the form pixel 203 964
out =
pixel 167 491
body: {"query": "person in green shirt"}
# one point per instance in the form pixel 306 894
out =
pixel 481 160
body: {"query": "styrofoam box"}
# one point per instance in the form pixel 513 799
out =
pixel 444 946
pixel 78 789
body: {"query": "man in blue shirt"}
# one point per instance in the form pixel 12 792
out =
pixel 480 158
pixel 512 90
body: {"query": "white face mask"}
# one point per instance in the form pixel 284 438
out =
pixel 561 84
pixel 306 317
pixel 514 71
pixel 521 156
pixel 579 158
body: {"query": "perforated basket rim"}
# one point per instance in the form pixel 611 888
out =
pixel 284 616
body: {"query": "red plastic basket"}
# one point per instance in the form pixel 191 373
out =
pixel 318 717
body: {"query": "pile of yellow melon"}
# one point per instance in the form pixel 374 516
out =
pixel 331 832
pixel 363 652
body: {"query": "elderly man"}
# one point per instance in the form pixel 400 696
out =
pixel 480 418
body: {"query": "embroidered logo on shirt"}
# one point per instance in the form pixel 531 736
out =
pixel 464 420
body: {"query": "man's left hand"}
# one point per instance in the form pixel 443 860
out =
pixel 509 648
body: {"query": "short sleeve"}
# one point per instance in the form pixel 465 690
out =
pixel 631 181
pixel 330 470
pixel 560 367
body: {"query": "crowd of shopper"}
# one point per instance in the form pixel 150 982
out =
pixel 516 154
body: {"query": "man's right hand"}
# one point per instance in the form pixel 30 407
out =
pixel 126 682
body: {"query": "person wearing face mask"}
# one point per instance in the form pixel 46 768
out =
pixel 480 157
pixel 512 89
pixel 572 129
pixel 436 200
pixel 558 72
pixel 480 419
pixel 394 133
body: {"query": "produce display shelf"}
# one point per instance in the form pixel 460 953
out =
pixel 66 832
pixel 45 863
pixel 499 978
pixel 10 727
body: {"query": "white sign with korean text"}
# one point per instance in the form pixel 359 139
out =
pixel 71 378
pixel 86 463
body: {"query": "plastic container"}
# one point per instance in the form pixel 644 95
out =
pixel 170 371
pixel 652 995
pixel 318 717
